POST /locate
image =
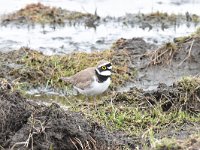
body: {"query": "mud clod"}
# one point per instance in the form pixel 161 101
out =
pixel 182 95
pixel 13 115
pixel 24 124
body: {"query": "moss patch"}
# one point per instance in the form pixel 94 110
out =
pixel 162 118
pixel 148 117
pixel 36 69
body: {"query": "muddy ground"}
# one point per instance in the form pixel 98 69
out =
pixel 165 64
pixel 26 124
pixel 159 110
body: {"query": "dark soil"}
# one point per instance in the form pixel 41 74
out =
pixel 14 114
pixel 168 99
pixel 26 125
pixel 182 95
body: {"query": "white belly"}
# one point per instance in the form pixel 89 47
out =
pixel 96 88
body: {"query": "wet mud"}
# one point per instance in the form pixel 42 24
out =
pixel 164 64
pixel 183 95
pixel 159 83
pixel 45 127
pixel 27 125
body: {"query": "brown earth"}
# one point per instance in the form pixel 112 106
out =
pixel 27 125
pixel 164 64
pixel 24 123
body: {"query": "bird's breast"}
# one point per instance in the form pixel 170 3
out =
pixel 96 87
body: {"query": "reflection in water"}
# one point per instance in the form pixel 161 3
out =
pixel 61 40
pixel 79 38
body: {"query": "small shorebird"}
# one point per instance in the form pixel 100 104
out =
pixel 92 81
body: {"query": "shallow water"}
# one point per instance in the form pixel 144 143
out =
pixel 69 39
pixel 80 38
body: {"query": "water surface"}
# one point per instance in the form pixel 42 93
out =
pixel 80 38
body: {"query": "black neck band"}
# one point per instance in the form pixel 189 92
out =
pixel 101 78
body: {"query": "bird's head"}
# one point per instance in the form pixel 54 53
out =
pixel 104 68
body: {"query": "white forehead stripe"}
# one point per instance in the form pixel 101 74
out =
pixel 104 64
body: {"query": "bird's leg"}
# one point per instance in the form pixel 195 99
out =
pixel 88 104
pixel 94 103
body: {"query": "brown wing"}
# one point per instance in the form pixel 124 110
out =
pixel 83 78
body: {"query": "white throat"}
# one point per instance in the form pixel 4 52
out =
pixel 104 73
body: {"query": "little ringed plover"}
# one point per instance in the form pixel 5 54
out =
pixel 92 81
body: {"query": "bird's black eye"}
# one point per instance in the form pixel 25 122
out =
pixel 103 67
